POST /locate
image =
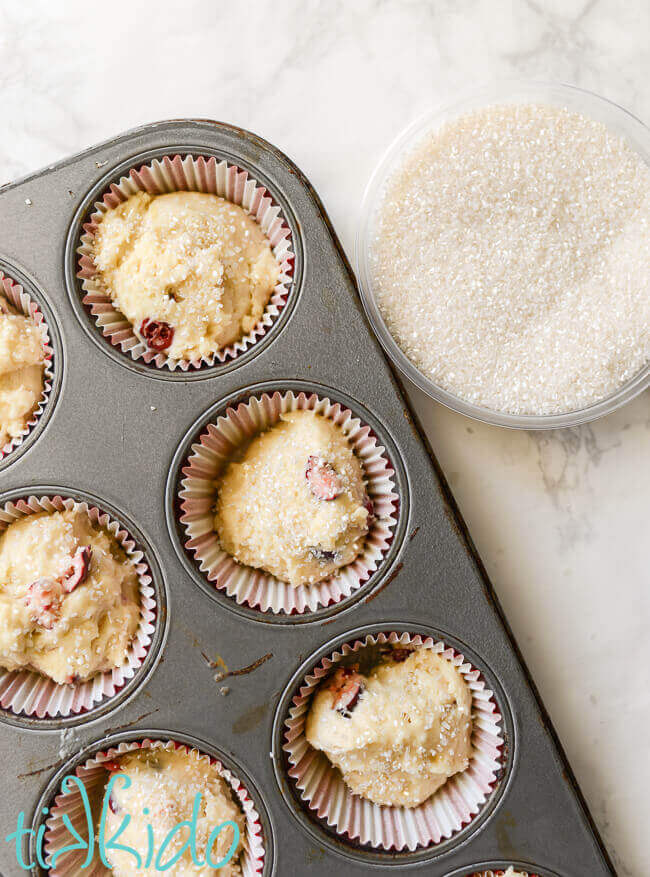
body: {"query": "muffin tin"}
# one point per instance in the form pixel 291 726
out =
pixel 118 430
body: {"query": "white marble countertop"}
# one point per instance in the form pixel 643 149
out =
pixel 560 518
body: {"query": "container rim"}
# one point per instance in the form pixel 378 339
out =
pixel 616 117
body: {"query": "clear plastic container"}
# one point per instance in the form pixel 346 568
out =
pixel 614 117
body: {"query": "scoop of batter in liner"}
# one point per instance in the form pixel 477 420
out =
pixel 191 271
pixel 69 597
pixel 166 783
pixel 295 505
pixel 21 371
pixel 398 733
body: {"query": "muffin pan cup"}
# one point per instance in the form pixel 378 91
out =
pixel 221 442
pixel 184 173
pixel 119 432
pixel 500 873
pixel 17 295
pixel 33 698
pixel 498 869
pixel 455 805
pixel 93 774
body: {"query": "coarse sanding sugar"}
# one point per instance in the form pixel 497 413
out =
pixel 510 259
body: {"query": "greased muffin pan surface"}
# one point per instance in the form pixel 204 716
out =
pixel 118 430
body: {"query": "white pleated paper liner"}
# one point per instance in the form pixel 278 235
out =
pixel 16 295
pixel 28 693
pixel 94 776
pixel 219 443
pixel 323 791
pixel 500 873
pixel 173 173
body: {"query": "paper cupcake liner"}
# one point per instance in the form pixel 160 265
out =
pixel 500 873
pixel 28 693
pixel 16 295
pixel 190 174
pixel 93 774
pixel 323 791
pixel 254 587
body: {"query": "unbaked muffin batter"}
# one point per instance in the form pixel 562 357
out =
pixel 21 371
pixel 69 597
pixel 192 272
pixel 296 504
pixel 164 784
pixel 398 733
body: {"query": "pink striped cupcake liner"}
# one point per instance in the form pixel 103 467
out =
pixel 94 776
pixel 28 693
pixel 454 805
pixel 19 299
pixel 220 443
pixel 173 173
pixel 500 873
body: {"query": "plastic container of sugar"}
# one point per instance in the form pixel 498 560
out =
pixel 503 254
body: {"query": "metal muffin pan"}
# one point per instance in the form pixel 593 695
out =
pixel 117 432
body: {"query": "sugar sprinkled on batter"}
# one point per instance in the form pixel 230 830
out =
pixel 193 261
pixel 67 632
pixel 269 514
pixel 398 733
pixel 162 794
pixel 511 259
pixel 21 370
